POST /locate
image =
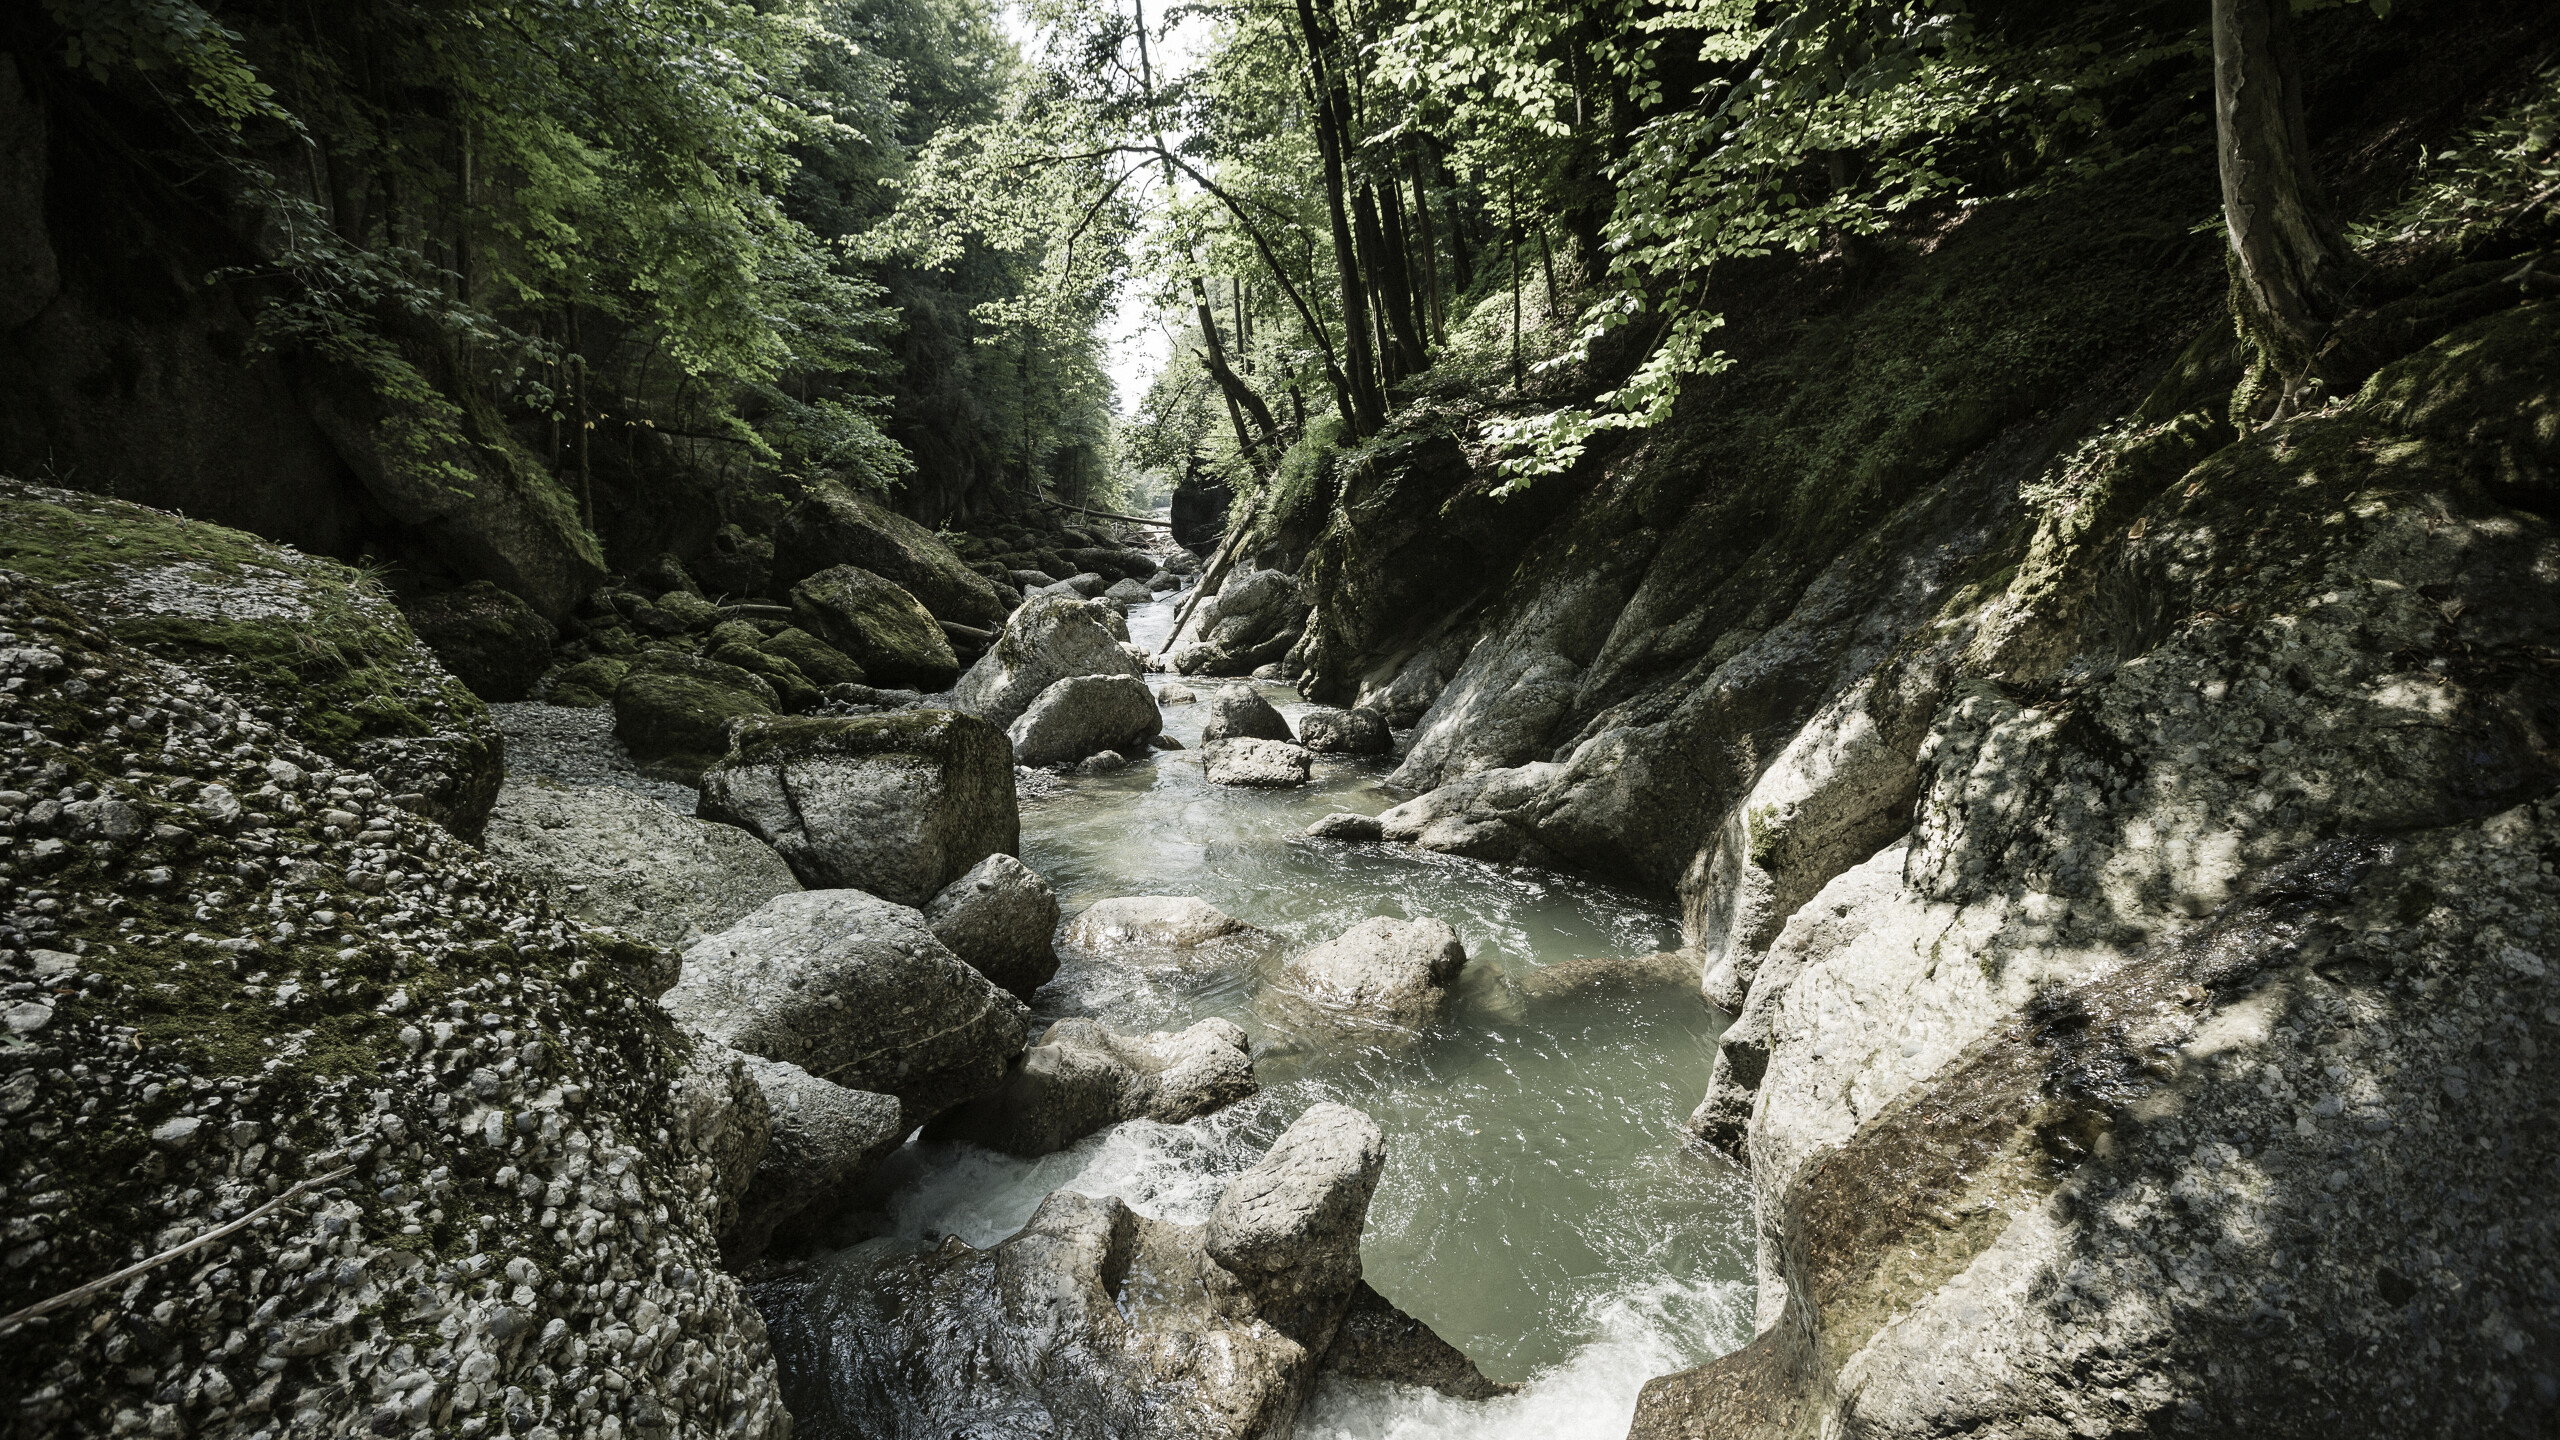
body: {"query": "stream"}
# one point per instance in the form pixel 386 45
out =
pixel 1538 1209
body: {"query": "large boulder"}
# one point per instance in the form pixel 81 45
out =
pixel 831 526
pixel 854 990
pixel 491 641
pixel 1256 764
pixel 824 664
pixel 673 710
pixel 1085 715
pixel 1114 564
pixel 825 1137
pixel 1250 623
pixel 899 804
pixel 1080 1078
pixel 1360 731
pixel 1238 712
pixel 1380 972
pixel 1125 593
pixel 1049 639
pixel 1002 918
pixel 876 623
pixel 610 857
pixel 1095 1321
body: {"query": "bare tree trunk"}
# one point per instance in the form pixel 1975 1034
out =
pixel 2286 257
pixel 1333 134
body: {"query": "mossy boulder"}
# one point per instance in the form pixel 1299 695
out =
pixel 899 805
pixel 690 613
pixel 880 626
pixel 316 645
pixel 491 640
pixel 833 526
pixel 737 564
pixel 673 710
pixel 738 643
pixel 823 663
pixel 589 683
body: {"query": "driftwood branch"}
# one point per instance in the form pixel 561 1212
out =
pixel 1105 514
pixel 17 1319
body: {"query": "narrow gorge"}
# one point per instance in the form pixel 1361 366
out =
pixel 898 720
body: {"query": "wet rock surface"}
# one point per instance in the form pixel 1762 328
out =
pixel 1379 972
pixel 1084 715
pixel 1079 1078
pixel 825 1137
pixel 1256 764
pixel 1000 918
pixel 607 856
pixel 1240 712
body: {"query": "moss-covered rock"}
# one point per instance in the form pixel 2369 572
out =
pixel 690 613
pixel 316 646
pixel 833 526
pixel 873 620
pixel 823 663
pixel 491 640
pixel 589 682
pixel 673 710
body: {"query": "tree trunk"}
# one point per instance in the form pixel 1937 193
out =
pixel 1333 133
pixel 2286 258
pixel 1429 244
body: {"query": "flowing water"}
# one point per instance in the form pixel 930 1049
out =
pixel 1537 1208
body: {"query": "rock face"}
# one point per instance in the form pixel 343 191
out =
pixel 1380 971
pixel 1084 715
pixel 1001 918
pixel 1081 1078
pixel 130 1124
pixel 856 991
pixel 491 641
pixel 900 804
pixel 1256 764
pixel 1345 732
pixel 612 858
pixel 1152 923
pixel 1251 622
pixel 824 1138
pixel 1238 712
pixel 831 526
pixel 875 622
pixel 1095 1321
pixel 1051 638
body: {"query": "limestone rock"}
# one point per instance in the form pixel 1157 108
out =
pixel 1080 1078
pixel 1377 1341
pixel 1238 712
pixel 900 804
pixel 832 525
pixel 1157 924
pixel 1381 971
pixel 1002 919
pixel 1343 825
pixel 1048 640
pixel 1129 592
pixel 1256 764
pixel 491 641
pixel 1251 622
pixel 878 625
pixel 824 1139
pixel 1345 732
pixel 609 857
pixel 854 990
pixel 1095 1321
pixel 1172 693
pixel 1083 715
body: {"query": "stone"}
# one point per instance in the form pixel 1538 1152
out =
pixel 823 663
pixel 588 684
pixel 1115 564
pixel 877 625
pixel 1002 919
pixel 1378 1342
pixel 1172 693
pixel 1248 624
pixel 1380 971
pixel 737 565
pixel 899 804
pixel 1080 1078
pixel 1129 592
pixel 1152 924
pixel 832 525
pixel 1030 580
pixel 1048 640
pixel 1093 1320
pixel 493 642
pixel 856 991
pixel 1329 731
pixel 1162 581
pixel 1083 715
pixel 1342 825
pixel 1257 764
pixel 1238 712
pixel 825 1138
pixel 609 857
pixel 673 711
pixel 1102 762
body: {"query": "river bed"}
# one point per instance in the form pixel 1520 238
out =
pixel 1537 1209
